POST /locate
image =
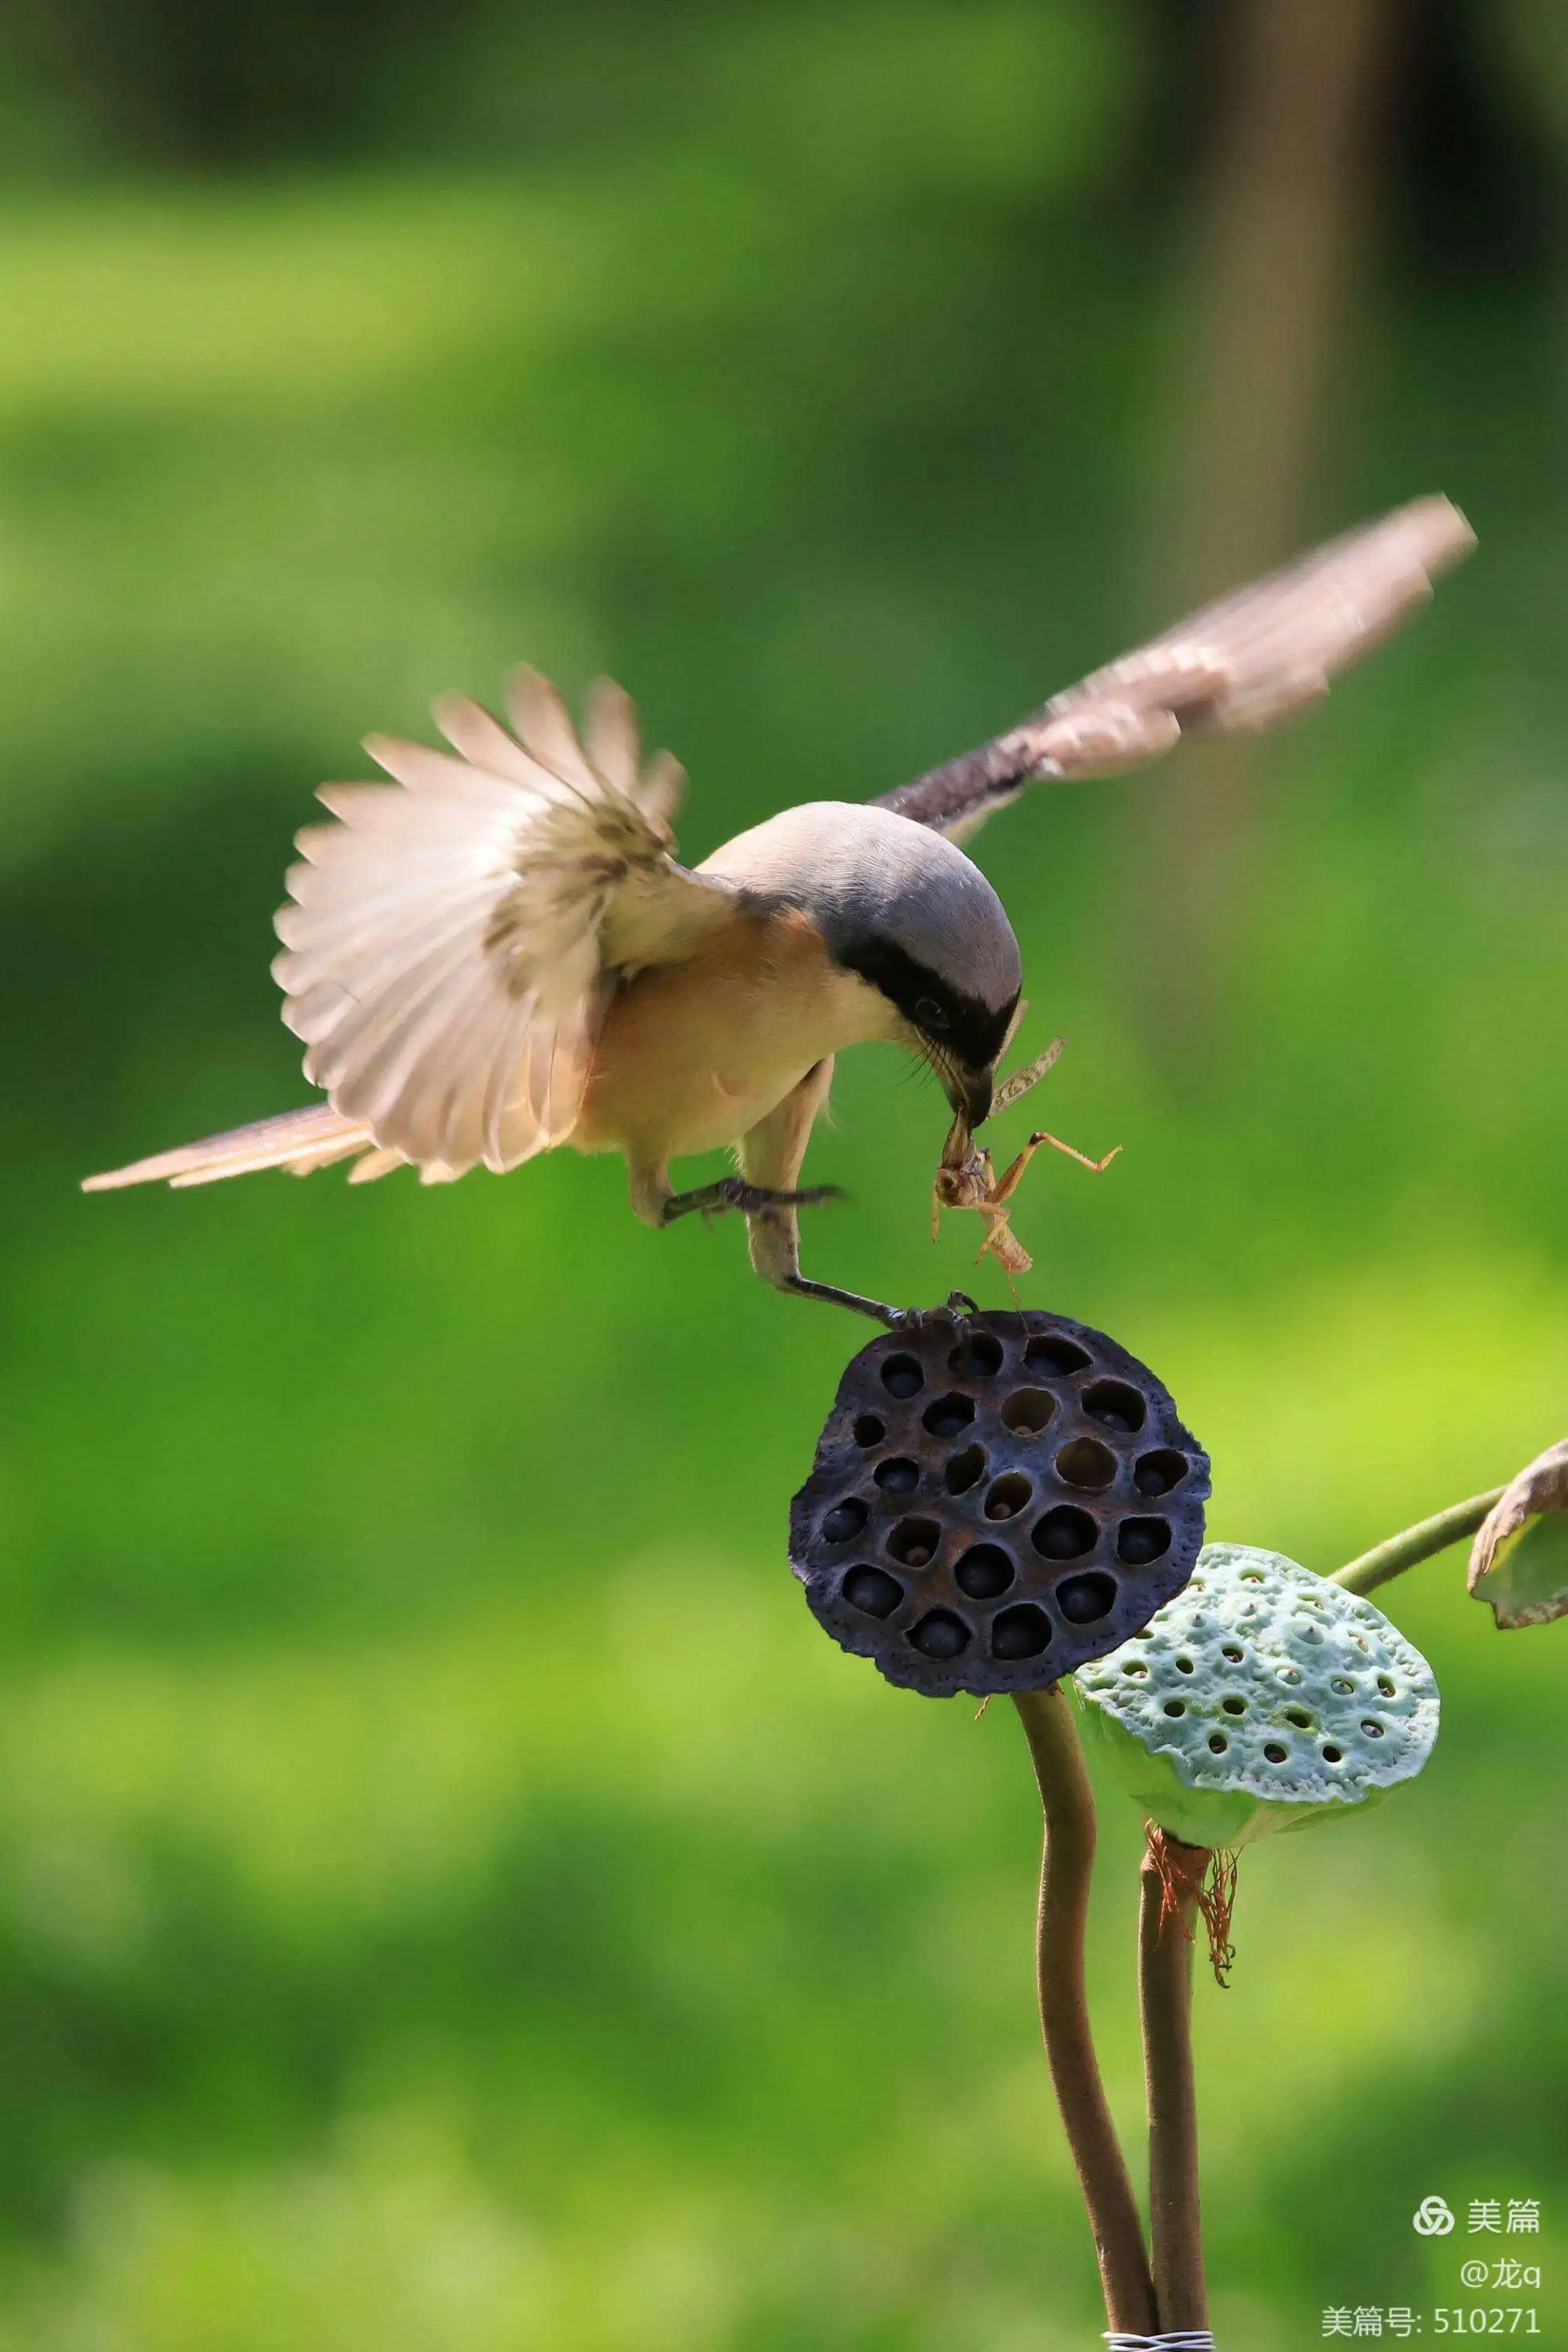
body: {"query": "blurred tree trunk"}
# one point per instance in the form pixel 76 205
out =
pixel 1282 223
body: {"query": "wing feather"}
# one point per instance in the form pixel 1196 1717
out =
pixel 371 1051
pixel 481 739
pixel 544 729
pixel 450 939
pixel 614 737
pixel 662 788
pixel 432 774
pixel 1262 652
pixel 1241 663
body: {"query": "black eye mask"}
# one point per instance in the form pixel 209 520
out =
pixel 973 1031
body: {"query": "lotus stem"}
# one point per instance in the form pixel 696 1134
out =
pixel 1171 1881
pixel 1412 1544
pixel 1066 1872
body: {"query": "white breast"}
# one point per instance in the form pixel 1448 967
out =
pixel 693 1056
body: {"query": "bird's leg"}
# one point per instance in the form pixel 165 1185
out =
pixel 767 1193
pixel 735 1193
pixel 896 1318
pixel 772 1155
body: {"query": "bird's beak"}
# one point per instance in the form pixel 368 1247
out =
pixel 969 1091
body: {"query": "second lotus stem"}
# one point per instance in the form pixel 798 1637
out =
pixel 1412 1544
pixel 1172 1882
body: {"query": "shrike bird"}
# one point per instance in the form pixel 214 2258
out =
pixel 498 953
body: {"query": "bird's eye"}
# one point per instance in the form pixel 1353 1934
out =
pixel 930 1014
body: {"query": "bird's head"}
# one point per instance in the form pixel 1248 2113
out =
pixel 911 917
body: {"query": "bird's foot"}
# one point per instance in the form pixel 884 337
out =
pixel 735 1193
pixel 914 1318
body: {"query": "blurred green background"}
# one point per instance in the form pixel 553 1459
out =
pixel 452 1899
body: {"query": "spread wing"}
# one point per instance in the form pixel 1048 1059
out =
pixel 1241 663
pixel 450 943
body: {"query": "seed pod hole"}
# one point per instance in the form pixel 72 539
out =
pixel 1087 1464
pixel 939 1635
pixel 868 1430
pixel 966 1470
pixel 1385 1685
pixel 1218 1743
pixel 1115 1406
pixel 1275 1753
pixel 1138 1542
pixel 1233 1651
pixel 983 1572
pixel 1340 1683
pixel 1065 1533
pixel 949 1417
pixel 914 1541
pixel 1234 1706
pixel 977 1357
pixel 899 1476
pixel 1009 1496
pixel 1055 1354
pixel 902 1377
pixel 845 1519
pixel 1333 1755
pixel 1021 1633
pixel 1183 1665
pixel 1373 1730
pixel 873 1591
pixel 1028 1411
pixel 1137 1667
pixel 1157 1473
pixel 1300 1718
pixel 1085 1600
pixel 1175 1706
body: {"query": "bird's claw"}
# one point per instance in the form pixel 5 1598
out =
pixel 751 1199
pixel 958 1307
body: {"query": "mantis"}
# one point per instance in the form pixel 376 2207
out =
pixel 966 1178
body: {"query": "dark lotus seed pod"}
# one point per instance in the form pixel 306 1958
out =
pixel 1056 1503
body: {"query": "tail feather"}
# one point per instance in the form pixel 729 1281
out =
pixel 375 1164
pixel 299 1141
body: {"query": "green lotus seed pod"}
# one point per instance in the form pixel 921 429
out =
pixel 1261 1698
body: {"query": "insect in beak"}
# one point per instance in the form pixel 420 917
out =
pixel 965 1178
